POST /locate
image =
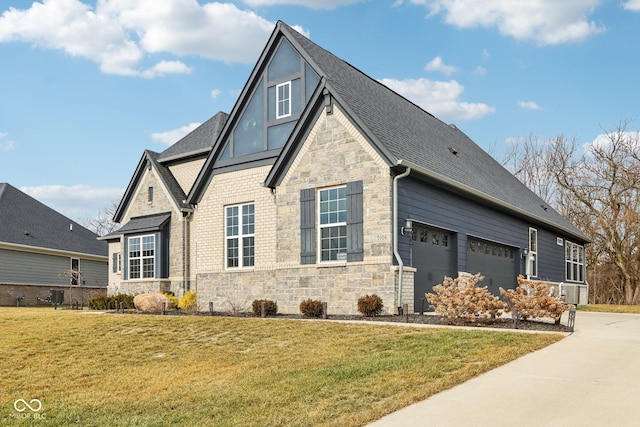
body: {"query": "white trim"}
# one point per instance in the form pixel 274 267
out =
pixel 286 102
pixel 328 225
pixel 239 237
pixel 531 266
pixel 141 257
pixel 48 251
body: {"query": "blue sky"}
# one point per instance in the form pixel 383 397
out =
pixel 86 86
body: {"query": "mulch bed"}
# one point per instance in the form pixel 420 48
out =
pixel 427 319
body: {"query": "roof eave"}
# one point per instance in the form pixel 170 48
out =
pixel 488 198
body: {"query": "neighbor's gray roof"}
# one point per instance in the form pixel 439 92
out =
pixel 198 141
pixel 27 222
pixel 414 136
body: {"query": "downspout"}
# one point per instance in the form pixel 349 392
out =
pixel 186 214
pixel 395 235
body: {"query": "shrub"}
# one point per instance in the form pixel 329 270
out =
pixel 189 301
pixel 108 302
pixel 531 299
pixel 271 307
pixel 311 308
pixel 370 305
pixel 172 297
pixel 459 300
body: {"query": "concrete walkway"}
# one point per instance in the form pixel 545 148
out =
pixel 590 378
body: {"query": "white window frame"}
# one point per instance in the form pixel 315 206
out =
pixel 239 232
pixel 283 101
pixel 142 257
pixel 75 272
pixel 574 262
pixel 532 257
pixel 342 255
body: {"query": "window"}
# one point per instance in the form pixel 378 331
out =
pixel 75 271
pixel 283 100
pixel 574 256
pixel 532 258
pixel 142 252
pixel 150 194
pixel 240 235
pixel 333 224
pixel 116 262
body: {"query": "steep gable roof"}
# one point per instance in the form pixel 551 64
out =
pixel 24 221
pixel 198 141
pixel 149 160
pixel 407 136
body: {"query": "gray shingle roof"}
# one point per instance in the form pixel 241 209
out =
pixel 142 224
pixel 198 141
pixel 411 134
pixel 26 221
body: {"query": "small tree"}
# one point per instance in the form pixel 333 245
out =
pixel 459 300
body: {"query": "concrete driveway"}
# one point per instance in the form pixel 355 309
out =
pixel 590 378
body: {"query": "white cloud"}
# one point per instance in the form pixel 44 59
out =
pixel 632 5
pixel 215 93
pixel 436 64
pixel 120 35
pixel 313 4
pixel 439 98
pixel 480 70
pixel 546 22
pixel 528 105
pixel 172 136
pixel 76 202
pixel 6 144
pixel 604 140
pixel 166 67
pixel 485 55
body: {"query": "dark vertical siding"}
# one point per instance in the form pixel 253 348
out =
pixel 308 226
pixel 432 205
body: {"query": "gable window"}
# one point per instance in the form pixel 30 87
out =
pixel 574 257
pixel 283 100
pixel 333 224
pixel 240 235
pixel 142 252
pixel 150 194
pixel 532 257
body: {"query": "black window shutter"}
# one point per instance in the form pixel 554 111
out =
pixel 114 263
pixel 308 226
pixel 355 251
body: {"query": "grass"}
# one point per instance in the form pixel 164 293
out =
pixel 610 308
pixel 133 370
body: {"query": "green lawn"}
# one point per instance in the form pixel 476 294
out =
pixel 610 308
pixel 136 370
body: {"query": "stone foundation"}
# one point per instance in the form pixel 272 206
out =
pixel 339 286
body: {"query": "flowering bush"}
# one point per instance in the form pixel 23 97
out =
pixel 189 301
pixel 531 299
pixel 459 300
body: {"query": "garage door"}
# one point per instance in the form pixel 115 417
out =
pixel 495 261
pixel 433 256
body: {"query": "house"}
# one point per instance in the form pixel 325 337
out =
pixel 323 183
pixel 42 250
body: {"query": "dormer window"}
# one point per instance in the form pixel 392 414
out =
pixel 283 100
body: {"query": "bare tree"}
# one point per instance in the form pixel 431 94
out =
pixel 598 191
pixel 103 223
pixel 528 159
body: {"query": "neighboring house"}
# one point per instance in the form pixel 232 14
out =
pixel 41 250
pixel 323 183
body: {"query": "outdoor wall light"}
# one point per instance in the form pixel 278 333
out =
pixel 525 252
pixel 408 227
